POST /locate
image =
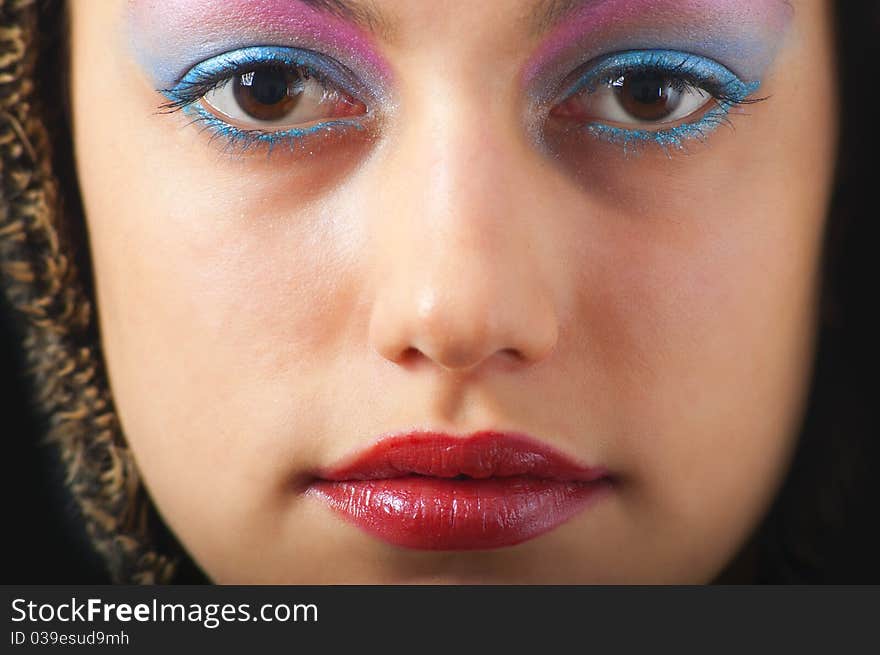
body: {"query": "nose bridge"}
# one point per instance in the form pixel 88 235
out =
pixel 460 277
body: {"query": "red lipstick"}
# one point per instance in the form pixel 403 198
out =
pixel 433 491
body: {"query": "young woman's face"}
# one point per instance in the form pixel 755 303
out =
pixel 359 218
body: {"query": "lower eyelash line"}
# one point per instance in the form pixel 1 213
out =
pixel 188 93
pixel 686 70
pixel 677 137
pixel 187 96
pixel 239 141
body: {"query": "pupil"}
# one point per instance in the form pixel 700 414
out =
pixel 268 94
pixel 269 86
pixel 648 89
pixel 648 96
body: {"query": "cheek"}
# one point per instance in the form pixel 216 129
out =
pixel 220 283
pixel 706 338
pixel 701 284
pixel 691 347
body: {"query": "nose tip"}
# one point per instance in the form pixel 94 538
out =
pixel 459 334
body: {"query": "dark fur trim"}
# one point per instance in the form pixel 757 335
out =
pixel 55 314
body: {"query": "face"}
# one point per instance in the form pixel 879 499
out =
pixel 407 292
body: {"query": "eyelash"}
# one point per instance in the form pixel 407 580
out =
pixel 214 73
pixel 684 71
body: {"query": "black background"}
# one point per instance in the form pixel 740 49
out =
pixel 42 540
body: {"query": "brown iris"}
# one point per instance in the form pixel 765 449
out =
pixel 648 96
pixel 270 93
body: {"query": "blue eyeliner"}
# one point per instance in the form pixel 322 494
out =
pixel 243 139
pixel 213 73
pixel 678 67
pixel 697 71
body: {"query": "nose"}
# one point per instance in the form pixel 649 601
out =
pixel 458 309
pixel 463 275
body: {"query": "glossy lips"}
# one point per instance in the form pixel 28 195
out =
pixel 433 491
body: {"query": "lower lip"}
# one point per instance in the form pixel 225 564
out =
pixel 448 514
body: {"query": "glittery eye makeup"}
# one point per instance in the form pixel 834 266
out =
pixel 642 72
pixel 269 96
pixel 259 72
pixel 656 96
pixel 629 72
pixel 169 37
pixel 744 35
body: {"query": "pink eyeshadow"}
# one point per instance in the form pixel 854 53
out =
pixel 751 29
pixel 170 35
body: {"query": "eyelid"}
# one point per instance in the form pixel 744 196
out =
pixel 224 66
pixel 707 73
pixel 187 93
pixel 725 86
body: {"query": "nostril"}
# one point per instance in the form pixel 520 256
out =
pixel 410 354
pixel 512 353
pixel 413 354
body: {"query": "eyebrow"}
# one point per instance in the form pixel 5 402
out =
pixel 359 12
pixel 547 13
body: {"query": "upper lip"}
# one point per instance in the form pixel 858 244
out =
pixel 484 454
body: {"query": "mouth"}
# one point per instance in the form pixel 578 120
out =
pixel 433 491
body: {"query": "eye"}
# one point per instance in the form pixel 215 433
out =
pixel 641 98
pixel 279 97
pixel 661 96
pixel 270 96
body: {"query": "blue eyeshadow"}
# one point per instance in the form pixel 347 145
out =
pixel 701 72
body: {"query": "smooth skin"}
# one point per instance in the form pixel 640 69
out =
pixel 263 317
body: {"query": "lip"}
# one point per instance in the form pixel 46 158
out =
pixel 434 491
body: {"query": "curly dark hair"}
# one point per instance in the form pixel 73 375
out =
pixel 818 530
